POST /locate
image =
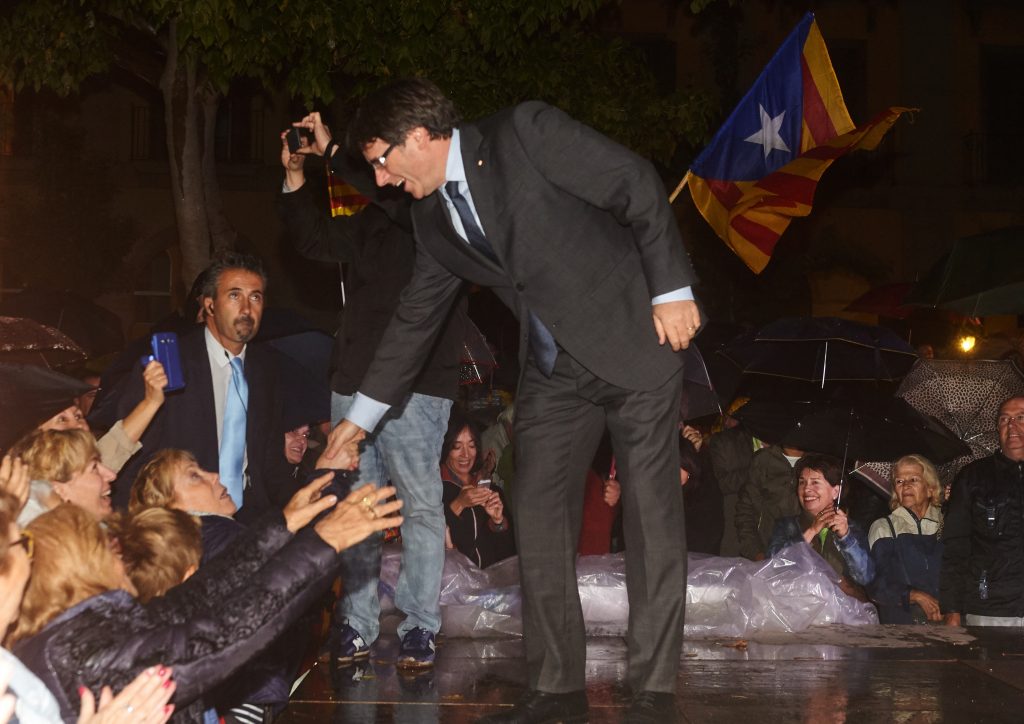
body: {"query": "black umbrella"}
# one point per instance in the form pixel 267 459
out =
pixel 25 341
pixel 30 395
pixel 981 275
pixel 700 395
pixel 801 357
pixel 872 429
pixel 95 329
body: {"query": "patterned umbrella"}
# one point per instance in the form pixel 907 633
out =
pixel 25 341
pixel 965 396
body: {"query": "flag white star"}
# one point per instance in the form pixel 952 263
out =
pixel 768 137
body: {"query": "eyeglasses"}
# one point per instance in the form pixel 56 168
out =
pixel 27 542
pixel 907 481
pixel 1005 420
pixel 382 160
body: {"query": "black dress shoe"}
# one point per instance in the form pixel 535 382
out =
pixel 651 707
pixel 539 707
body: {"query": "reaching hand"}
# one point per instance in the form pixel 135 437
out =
pixel 361 513
pixel 308 503
pixel 144 701
pixel 676 322
pixel 342 451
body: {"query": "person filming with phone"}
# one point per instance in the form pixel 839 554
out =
pixel 475 513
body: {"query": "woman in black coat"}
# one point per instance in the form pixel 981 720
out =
pixel 474 511
pixel 81 626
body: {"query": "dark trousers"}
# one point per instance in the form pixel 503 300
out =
pixel 558 424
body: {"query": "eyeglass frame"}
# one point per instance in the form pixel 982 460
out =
pixel 382 160
pixel 27 541
pixel 1004 420
pixel 910 480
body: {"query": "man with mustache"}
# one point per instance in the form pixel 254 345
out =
pixel 193 418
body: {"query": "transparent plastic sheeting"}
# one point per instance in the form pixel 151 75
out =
pixel 724 596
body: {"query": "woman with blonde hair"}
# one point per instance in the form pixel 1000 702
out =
pixel 173 479
pixel 82 625
pixel 143 700
pixel 65 466
pixel 160 548
pixel 906 545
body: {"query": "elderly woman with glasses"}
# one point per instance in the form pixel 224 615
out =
pixel 906 545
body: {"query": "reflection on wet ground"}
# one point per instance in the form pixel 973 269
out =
pixel 860 675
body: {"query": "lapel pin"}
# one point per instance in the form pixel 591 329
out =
pixel 480 162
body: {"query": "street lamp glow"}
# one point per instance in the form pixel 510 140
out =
pixel 967 343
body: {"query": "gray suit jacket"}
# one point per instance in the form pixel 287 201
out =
pixel 585 236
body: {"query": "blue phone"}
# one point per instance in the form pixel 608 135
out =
pixel 165 351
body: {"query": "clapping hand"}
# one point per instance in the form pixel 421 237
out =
pixel 14 479
pixel 144 701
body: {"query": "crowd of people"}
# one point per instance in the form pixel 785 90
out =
pixel 173 558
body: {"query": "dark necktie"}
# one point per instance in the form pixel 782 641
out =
pixel 542 344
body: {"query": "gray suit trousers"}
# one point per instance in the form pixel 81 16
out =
pixel 558 425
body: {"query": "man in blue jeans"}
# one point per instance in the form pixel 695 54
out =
pixel 377 249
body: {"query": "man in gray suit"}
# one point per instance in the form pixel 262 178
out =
pixel 574 233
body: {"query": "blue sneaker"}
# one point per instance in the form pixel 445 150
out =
pixel 347 645
pixel 417 649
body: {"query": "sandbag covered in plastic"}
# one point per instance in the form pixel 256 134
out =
pixel 724 596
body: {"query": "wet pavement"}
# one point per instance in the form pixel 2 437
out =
pixel 861 674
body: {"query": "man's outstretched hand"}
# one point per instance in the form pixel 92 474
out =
pixel 342 451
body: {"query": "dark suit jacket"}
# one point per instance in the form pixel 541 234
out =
pixel 379 251
pixel 188 421
pixel 585 236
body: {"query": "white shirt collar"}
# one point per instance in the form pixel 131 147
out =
pixel 454 169
pixel 218 355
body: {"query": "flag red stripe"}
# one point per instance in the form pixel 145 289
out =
pixel 827 153
pixel 796 188
pixel 727 193
pixel 759 236
pixel 815 113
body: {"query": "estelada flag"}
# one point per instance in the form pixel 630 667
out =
pixel 345 200
pixel 762 167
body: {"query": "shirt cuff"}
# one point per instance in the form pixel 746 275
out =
pixel 683 294
pixel 366 411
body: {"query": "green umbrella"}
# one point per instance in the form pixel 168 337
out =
pixel 981 275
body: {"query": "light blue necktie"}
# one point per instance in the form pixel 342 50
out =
pixel 542 343
pixel 232 436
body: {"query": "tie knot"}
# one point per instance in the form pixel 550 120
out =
pixel 452 187
pixel 236 366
